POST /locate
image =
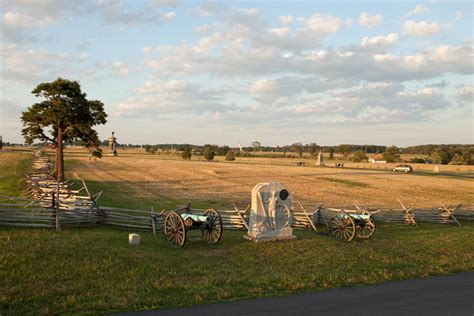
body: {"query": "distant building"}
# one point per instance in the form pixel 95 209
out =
pixel 377 159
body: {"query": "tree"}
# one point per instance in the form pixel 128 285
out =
pixel 345 150
pixel 186 153
pixel 68 116
pixel 391 154
pixel 441 155
pixel 298 148
pixel 331 153
pixel 208 153
pixel 313 149
pixel 359 156
pixel 256 145
pixel 464 158
pixel 230 156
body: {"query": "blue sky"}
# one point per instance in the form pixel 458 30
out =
pixel 275 71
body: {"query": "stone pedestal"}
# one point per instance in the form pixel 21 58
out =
pixel 271 213
pixel 134 239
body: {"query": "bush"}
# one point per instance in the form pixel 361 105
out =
pixel 417 160
pixel 392 154
pixel 359 156
pixel 208 153
pixel 230 156
pixel 186 153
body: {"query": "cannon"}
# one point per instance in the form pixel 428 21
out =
pixel 179 221
pixel 346 225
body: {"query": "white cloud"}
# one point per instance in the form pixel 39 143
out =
pixel 465 95
pixel 459 15
pixel 370 20
pixel 286 19
pixel 172 97
pixel 121 69
pixel 380 42
pixel 419 9
pixel 325 24
pixel 146 50
pixel 169 15
pixel 422 28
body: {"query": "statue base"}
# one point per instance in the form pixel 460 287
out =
pixel 270 239
pixel 277 235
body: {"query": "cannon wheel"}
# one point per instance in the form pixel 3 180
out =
pixel 175 230
pixel 342 226
pixel 367 230
pixel 212 232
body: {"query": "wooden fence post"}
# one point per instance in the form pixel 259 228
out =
pixel 57 207
pixel 153 224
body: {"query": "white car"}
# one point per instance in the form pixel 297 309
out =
pixel 404 168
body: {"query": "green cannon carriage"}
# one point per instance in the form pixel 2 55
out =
pixel 179 221
pixel 345 225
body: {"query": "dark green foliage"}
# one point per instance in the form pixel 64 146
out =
pixel 347 149
pixel 313 149
pixel 419 160
pixel 298 148
pixel 65 106
pixel 208 153
pixel 392 154
pixel 464 158
pixel 441 155
pixel 186 154
pixel 359 156
pixel 64 116
pixel 222 150
pixel 230 156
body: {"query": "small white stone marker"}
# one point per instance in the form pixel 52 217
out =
pixel 133 239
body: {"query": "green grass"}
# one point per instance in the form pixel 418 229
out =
pixel 11 175
pixel 95 271
pixel 349 183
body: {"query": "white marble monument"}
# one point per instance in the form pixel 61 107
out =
pixel 271 213
pixel 320 161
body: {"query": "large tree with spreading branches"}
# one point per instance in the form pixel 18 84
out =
pixel 64 116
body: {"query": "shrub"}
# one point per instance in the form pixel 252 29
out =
pixel 208 153
pixel 392 154
pixel 359 156
pixel 230 156
pixel 186 153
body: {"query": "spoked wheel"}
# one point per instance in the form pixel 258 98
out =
pixel 342 226
pixel 212 231
pixel 366 229
pixel 175 230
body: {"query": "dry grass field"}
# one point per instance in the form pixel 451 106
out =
pixel 155 177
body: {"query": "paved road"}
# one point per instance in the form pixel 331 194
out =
pixel 443 295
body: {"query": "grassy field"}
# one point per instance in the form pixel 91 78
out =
pixel 164 181
pixel 95 271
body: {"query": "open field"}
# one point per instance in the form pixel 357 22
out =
pixel 95 271
pixel 165 180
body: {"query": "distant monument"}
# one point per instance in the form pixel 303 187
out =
pixel 113 145
pixel 320 161
pixel 271 213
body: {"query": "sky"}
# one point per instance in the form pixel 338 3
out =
pixel 228 72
